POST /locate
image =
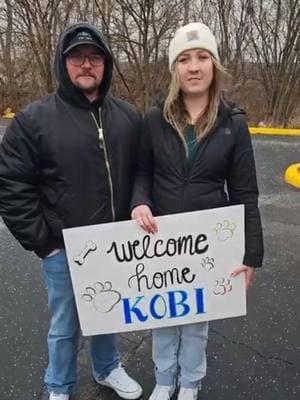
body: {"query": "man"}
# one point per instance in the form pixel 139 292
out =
pixel 68 160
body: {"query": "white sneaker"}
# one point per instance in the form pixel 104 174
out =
pixel 188 394
pixel 58 396
pixel 122 384
pixel 162 392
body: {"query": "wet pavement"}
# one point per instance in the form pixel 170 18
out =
pixel 251 358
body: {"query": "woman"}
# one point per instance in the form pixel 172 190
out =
pixel 195 153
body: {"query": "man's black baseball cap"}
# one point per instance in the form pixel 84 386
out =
pixel 82 37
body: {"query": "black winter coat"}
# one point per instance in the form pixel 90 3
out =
pixel 222 174
pixel 57 172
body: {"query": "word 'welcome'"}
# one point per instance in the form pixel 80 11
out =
pixel 145 248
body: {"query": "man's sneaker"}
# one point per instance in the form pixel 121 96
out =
pixel 122 384
pixel 188 394
pixel 162 392
pixel 59 396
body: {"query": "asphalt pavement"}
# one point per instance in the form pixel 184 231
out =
pixel 249 358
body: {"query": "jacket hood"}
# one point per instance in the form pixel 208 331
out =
pixel 227 108
pixel 66 89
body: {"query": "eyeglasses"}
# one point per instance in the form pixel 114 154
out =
pixel 78 59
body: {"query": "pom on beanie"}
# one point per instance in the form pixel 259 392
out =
pixel 192 36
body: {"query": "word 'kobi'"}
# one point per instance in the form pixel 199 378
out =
pixel 172 304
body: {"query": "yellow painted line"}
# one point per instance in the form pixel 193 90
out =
pixel 275 131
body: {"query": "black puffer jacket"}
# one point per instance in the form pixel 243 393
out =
pixel 55 173
pixel 168 183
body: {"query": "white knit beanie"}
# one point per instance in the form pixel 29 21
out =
pixel 192 36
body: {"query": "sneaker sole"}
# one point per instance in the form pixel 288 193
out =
pixel 124 395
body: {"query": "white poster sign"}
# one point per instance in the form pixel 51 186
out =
pixel 125 279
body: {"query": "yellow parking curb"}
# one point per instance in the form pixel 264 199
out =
pixel 292 175
pixel 274 131
pixel 8 114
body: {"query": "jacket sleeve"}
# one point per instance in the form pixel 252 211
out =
pixel 144 174
pixel 242 189
pixel 19 187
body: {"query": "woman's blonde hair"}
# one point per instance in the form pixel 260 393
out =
pixel 174 109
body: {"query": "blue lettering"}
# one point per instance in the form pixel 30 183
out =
pixel 128 309
pixel 153 302
pixel 174 303
pixel 200 301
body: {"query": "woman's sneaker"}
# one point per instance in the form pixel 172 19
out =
pixel 122 384
pixel 188 394
pixel 162 392
pixel 59 396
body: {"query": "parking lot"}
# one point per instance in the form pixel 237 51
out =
pixel 250 358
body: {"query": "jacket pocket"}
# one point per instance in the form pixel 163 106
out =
pixel 55 219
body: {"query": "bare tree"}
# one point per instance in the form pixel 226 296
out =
pixel 36 23
pixel 107 9
pixel 259 44
pixel 230 21
pixel 186 11
pixel 139 32
pixel 276 45
pixel 12 70
pixel 6 36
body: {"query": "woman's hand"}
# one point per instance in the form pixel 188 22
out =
pixel 143 215
pixel 250 274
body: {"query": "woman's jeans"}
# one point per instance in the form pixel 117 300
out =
pixel 64 331
pixel 180 349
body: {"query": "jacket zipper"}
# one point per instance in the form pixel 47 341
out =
pixel 102 145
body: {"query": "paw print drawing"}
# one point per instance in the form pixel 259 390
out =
pixel 222 286
pixel 225 230
pixel 104 298
pixel 208 263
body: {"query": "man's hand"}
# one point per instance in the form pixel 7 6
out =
pixel 249 274
pixel 143 215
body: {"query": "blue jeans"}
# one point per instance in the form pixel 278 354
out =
pixel 64 332
pixel 180 349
